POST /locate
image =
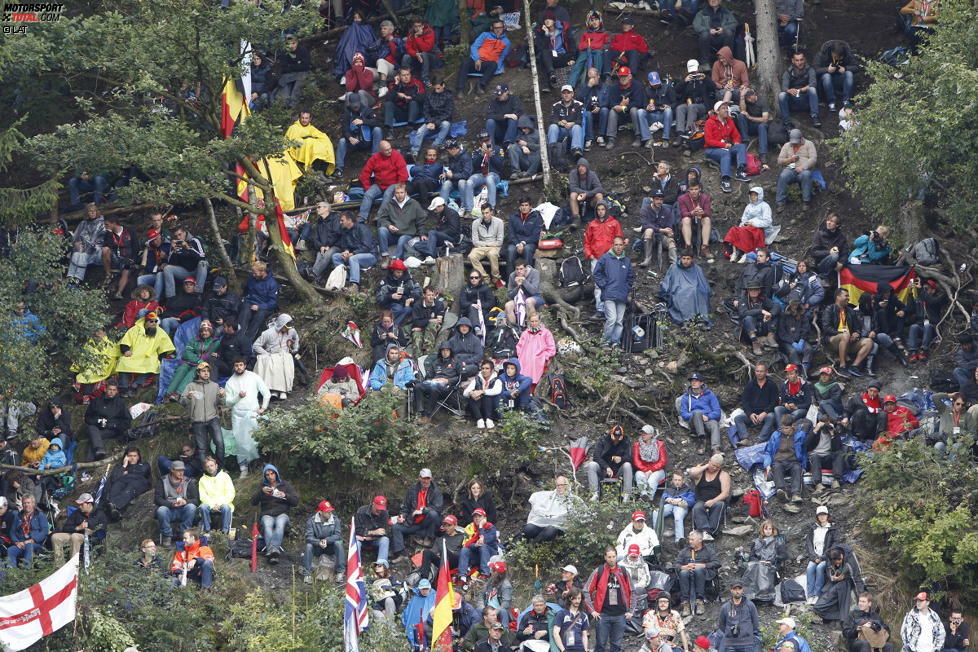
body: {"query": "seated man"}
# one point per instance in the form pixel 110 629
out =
pixel 437 110
pixel 487 242
pixel 192 463
pixel 275 498
pixel 523 234
pixel 523 290
pixel 182 307
pixel 711 484
pixel 729 75
pixel 628 46
pixel 872 248
pixel 925 309
pixel 585 189
pixel 524 152
pixel 467 347
pixel 566 121
pixel 28 532
pixel 830 248
pixel 695 209
pixel 216 491
pixel 686 291
pixel 120 248
pixel 864 617
pixel 700 407
pixel 458 169
pixel 380 175
pixel 403 100
pixel 186 258
pixel 798 91
pixel 715 27
pixel 965 360
pixel 86 522
pixel 324 536
pixel 427 320
pixel 392 370
pixel 487 57
pixel 421 51
pixel 863 415
pixel 753 118
pixel 295 67
pixel 193 561
pixel 841 335
pixel 107 417
pixel 220 305
pixel 757 403
pixel 398 291
pixel 82 185
pixel 611 459
pixel 694 94
pixel 452 536
pixel 400 218
pixel 143 347
pixel 445 232
pixel 260 300
pixel 658 226
pixel 444 374
pixel 758 316
pixel 789 14
pixel 487 169
pixel 791 333
pixel 176 499
pixel 361 131
pixel 798 156
pixel 370 525
pixel 549 510
pixel 356 250
pixel 503 117
pixel 420 514
pixel 695 564
pixel 723 145
pixel 516 387
pixel 899 420
pixel 784 455
pixel 835 64
pixel 315 149
pixel 796 395
pixel 825 450
pixel 637 533
pixel 627 99
pixel 658 108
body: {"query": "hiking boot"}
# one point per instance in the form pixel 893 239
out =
pixel 796 498
pixel 819 489
pixel 700 608
pixel 779 209
pixel 756 348
pixel 707 536
pixel 609 143
pixel 307 579
pixel 782 495
pixel 769 341
pixel 816 122
pixel 686 610
pixel 835 484
pixel 166 542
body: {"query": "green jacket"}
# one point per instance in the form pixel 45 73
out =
pixel 442 13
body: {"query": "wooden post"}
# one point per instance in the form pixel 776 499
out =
pixel 548 186
pixel 768 51
pixel 227 266
pixel 464 26
pixel 449 274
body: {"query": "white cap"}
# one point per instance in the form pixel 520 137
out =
pixel 570 568
pixel 716 107
pixel 435 203
pixel 692 65
pixel 821 509
pixel 425 473
pixel 790 622
pixel 648 429
pixel 566 87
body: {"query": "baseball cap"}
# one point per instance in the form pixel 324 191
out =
pixel 790 622
pixel 435 203
pixel 716 107
pixel 497 625
pixel 151 316
pixel 570 568
pixel 449 520
pixel 478 511
pixel 424 584
pixel 692 65
pixel 737 582
pixel 502 88
pixel 659 194
pixel 452 144
pixel 703 642
pixel 825 370
pixel 190 279
pixel 398 264
pixel 794 136
pixel 696 376
pixel 654 79
pixel 627 20
pixel 177 465
pixel 325 506
pixel 498 566
pixel 425 473
pixel 634 549
pixel 638 515
pixel 84 498
pixel 624 70
pixel 220 282
pixel 566 87
pixel 648 429
pixel 203 364
pixel 821 509
pixel 380 502
pixel 889 398
pixel 152 234
pixel 791 367
pixel 483 136
pixel 921 596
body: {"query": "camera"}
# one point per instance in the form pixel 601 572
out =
pixel 734 630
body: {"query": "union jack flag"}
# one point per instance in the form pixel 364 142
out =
pixel 355 617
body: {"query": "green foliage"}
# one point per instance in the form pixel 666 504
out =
pixel 891 151
pixel 22 204
pixel 367 442
pixel 69 316
pixel 923 507
pixel 593 373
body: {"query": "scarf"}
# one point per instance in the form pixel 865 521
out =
pixel 422 503
pixel 648 451
pixel 794 388
pixel 601 589
pixel 25 524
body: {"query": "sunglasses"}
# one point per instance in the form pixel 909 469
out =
pixel 474 278
pixel 151 321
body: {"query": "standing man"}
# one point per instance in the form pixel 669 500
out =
pixel 203 398
pixel 420 514
pixel 598 239
pixel 609 598
pixel 614 276
pixel 242 392
pixel 739 622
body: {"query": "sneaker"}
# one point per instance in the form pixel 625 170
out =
pixel 852 371
pixel 649 144
pixel 587 145
pixel 812 599
pixel 490 424
pixel 307 579
pixel 595 496
pixel 819 489
pixel 831 106
pixel 796 498
pixel 244 473
pixel 636 143
pixel 816 122
pixel 599 140
pixel 835 484
pixel 166 542
pixel 516 175
pixel 608 144
pixel 741 175
pixel 686 610
pixel 707 536
pixel 756 347
pixel 481 424
pixel 725 185
pixel 779 209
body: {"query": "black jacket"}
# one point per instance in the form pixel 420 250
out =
pixel 356 240
pixel 824 240
pixel 422 314
pixel 605 449
pixel 802 399
pixel 460 165
pixel 96 521
pixel 573 113
pixel 390 285
pixel 231 347
pixel 159 493
pixel 472 295
pixel 698 91
pixel 447 368
pixel 269 505
pixel 855 618
pixel 448 222
pixel 438 107
pixel 183 306
pixel 370 120
pixel 469 505
pixel 46 421
pixel 325 232
pixel 364 521
pixel 757 399
pixel 113 410
pixel 791 328
pixel 218 307
pixel 824 58
pixel 830 321
pixel 434 500
pixel 296 61
pixel 498 109
pixel 832 539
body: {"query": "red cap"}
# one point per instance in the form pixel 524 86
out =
pixel 634 549
pixel 703 642
pixel 889 398
pixel 397 263
pixel 478 511
pixel 825 370
pixel 380 502
pixel 152 316
pixel 624 70
pixel 498 566
pixel 921 596
pixel 325 506
pixel 791 367
pixel 638 515
pixel 152 234
pixel 449 520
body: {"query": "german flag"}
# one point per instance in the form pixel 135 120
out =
pixel 867 278
pixel 283 232
pixel 441 619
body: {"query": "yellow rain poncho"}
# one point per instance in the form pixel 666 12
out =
pixel 316 146
pixel 101 356
pixel 146 350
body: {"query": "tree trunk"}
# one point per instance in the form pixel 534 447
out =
pixel 449 274
pixel 464 26
pixel 768 53
pixel 541 125
pixel 226 266
pixel 287 263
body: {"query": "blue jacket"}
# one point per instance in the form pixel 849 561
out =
pixel 54 459
pixel 527 230
pixel 615 277
pixel 402 375
pixel 707 403
pixel 685 493
pixel 427 171
pixel 263 293
pixel 487 36
pixel 39 528
pixel 775 441
pixel 28 326
pixel 801 645
pixel 867 251
pixel 517 382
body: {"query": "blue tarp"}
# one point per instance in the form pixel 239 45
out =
pixel 185 332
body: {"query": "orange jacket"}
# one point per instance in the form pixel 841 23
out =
pixel 196 551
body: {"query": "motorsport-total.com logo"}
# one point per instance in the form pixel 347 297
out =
pixel 17 17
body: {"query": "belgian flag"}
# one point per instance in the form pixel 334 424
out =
pixel 867 278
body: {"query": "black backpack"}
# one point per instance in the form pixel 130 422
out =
pixel 148 425
pixel 504 341
pixel 240 548
pixel 559 156
pixel 558 390
pixel 572 273
pixel 927 252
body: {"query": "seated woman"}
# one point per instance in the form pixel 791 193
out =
pixel 476 300
pixel 649 459
pixel 766 553
pixel 386 592
pixel 340 387
pixel 202 348
pixel 756 224
pixel 818 543
pixel 483 393
pixel 791 334
pixel 803 286
pixel 477 498
pixel 840 581
pixel 445 373
pixel 142 302
pixel 126 482
pixel 535 349
pixel 385 333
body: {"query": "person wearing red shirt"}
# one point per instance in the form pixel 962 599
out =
pixel 629 44
pixel 598 238
pixel 421 52
pixel 722 142
pixel 379 175
pixel 899 419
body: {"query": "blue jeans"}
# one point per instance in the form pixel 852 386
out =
pixel 482 553
pixel 708 519
pixel 501 132
pixel 639 122
pixel 426 528
pixel 837 81
pixel 166 515
pixel 371 194
pixel 614 316
pixel 589 118
pixel 446 188
pixel 827 264
pixel 334 549
pixel 611 632
pixel 400 312
pixel 963 375
pixel 435 240
pixel 598 60
pixel 205 517
pixel 692 585
pixel 815 577
pixel 476 181
pixel 780 411
pixel 920 337
pixel 575 133
pixel 441 133
pixel 409 62
pixel 384 236
pixel 528 250
pixel 786 34
pixel 354 263
pixel 273 530
pixel 382 545
pixel 166 281
pixel 203 571
pixel 376 135
pixel 170 325
pixel 788 103
pixel 27 554
pixel 737 152
pixel 664 116
pixel 791 175
pixel 678 515
pixel 749 128
pixel 743 423
pixel 95 186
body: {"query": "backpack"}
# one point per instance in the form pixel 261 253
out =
pixel 753 501
pixel 518 56
pixel 615 207
pixel 146 428
pixel 558 390
pixel 898 56
pixel 559 157
pixel 572 272
pixel 753 164
pixel 239 548
pixel 927 252
pixel 504 342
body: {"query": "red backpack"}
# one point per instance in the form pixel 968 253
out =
pixel 753 164
pixel 753 501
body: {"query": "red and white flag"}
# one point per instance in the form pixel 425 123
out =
pixel 39 610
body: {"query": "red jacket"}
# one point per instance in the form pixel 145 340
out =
pixel 424 43
pixel 600 236
pixel 716 133
pixel 649 467
pixel 629 41
pixel 899 421
pixel 593 40
pixel 129 315
pixel 386 170
pixel 359 80
pixel 596 587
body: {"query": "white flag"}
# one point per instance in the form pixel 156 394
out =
pixel 39 610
